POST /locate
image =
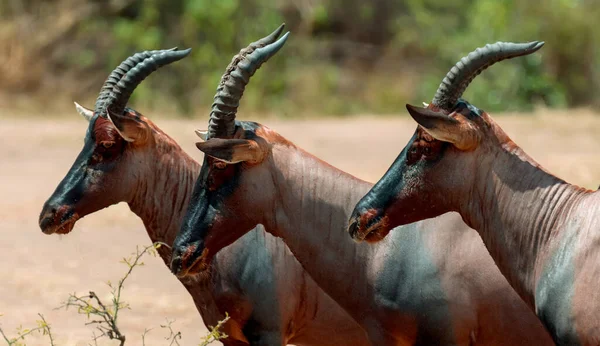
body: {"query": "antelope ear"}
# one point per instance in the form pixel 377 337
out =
pixel 86 113
pixel 232 150
pixel 131 128
pixel 455 129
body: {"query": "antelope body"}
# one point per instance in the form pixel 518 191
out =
pixel 431 283
pixel 270 299
pixel 542 232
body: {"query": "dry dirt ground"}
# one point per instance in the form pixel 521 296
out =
pixel 39 271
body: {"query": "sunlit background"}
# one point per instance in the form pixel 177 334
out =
pixel 344 56
pixel 338 89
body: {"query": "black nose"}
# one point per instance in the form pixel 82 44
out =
pixel 353 228
pixel 47 216
pixel 176 262
pixel 45 223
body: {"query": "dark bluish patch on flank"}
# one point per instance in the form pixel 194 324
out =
pixel 473 111
pixel 410 283
pixel 554 293
pixel 253 252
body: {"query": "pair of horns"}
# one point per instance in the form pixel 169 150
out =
pixel 461 75
pixel 123 80
pixel 126 77
pixel 234 81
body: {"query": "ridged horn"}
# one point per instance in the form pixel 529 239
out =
pixel 459 77
pixel 118 73
pixel 119 96
pixel 234 81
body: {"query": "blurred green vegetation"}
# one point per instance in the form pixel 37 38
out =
pixel 344 56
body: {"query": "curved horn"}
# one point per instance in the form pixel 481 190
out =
pixel 268 39
pixel 119 96
pixel 118 73
pixel 234 81
pixel 459 77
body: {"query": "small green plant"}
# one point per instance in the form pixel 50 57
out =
pixel 105 316
pixel 215 333
pixel 19 340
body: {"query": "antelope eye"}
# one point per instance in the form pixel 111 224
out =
pixel 107 144
pixel 220 165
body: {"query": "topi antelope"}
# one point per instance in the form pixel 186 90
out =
pixel 270 299
pixel 432 283
pixel 541 231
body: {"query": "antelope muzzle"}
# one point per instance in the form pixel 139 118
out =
pixel 370 225
pixel 189 260
pixel 57 218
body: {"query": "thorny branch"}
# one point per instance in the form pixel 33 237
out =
pixel 105 317
pixel 173 337
pixel 146 331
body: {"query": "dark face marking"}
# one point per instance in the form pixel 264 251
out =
pixel 403 195
pixel 86 187
pixel 407 192
pixel 213 203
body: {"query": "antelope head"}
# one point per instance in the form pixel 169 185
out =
pixel 453 144
pixel 235 177
pixel 117 143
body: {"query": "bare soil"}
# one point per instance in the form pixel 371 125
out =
pixel 39 271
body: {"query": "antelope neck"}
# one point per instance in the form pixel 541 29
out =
pixel 518 209
pixel 164 186
pixel 311 212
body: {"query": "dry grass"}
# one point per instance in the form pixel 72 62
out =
pixel 40 271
